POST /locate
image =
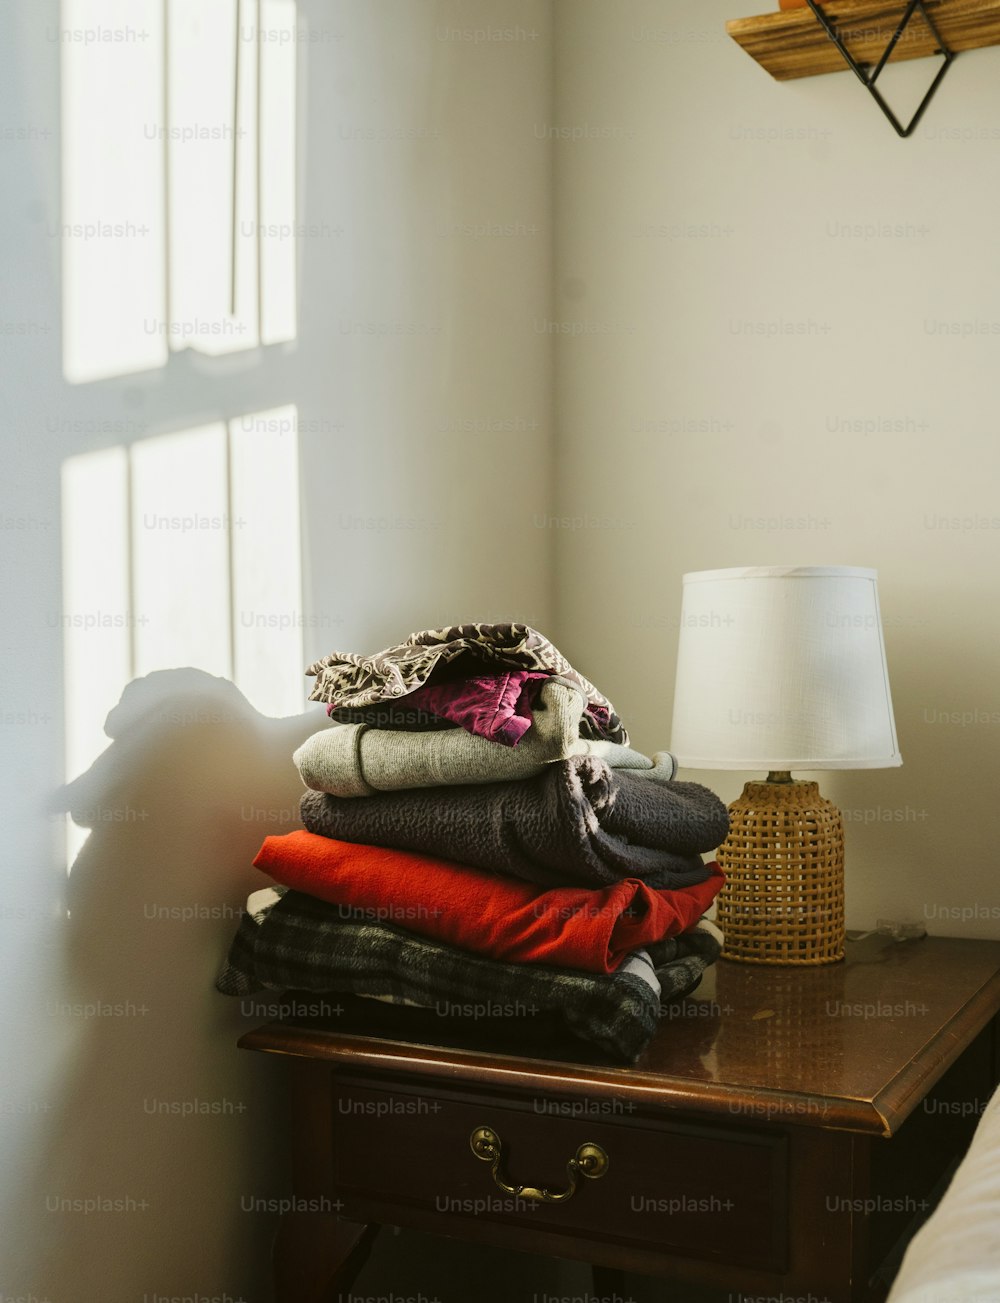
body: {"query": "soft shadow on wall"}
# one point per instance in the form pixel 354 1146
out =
pixel 162 1130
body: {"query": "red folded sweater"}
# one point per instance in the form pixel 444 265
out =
pixel 568 927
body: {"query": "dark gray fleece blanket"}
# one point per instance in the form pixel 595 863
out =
pixel 580 822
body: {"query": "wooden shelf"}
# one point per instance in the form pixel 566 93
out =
pixel 791 43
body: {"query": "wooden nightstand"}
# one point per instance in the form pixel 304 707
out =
pixel 781 1135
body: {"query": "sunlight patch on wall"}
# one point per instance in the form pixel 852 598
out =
pixel 112 185
pixel 182 550
pixel 267 561
pixel 181 530
pixel 203 134
pixel 278 168
pixel 179 171
pixel 96 618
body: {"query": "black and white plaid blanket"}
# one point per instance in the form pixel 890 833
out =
pixel 296 942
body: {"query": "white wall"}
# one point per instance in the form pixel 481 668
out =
pixel 447 239
pixel 700 196
pixel 392 432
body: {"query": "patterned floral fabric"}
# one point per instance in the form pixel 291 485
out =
pixel 346 679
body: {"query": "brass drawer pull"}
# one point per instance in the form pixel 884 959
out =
pixel 590 1161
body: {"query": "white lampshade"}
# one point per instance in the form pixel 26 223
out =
pixel 782 667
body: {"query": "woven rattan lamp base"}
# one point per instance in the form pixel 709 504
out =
pixel 783 902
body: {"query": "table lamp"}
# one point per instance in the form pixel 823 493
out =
pixel 782 668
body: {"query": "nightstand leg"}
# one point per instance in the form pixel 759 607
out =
pixel 317 1255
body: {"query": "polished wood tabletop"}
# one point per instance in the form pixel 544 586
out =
pixel 849 1046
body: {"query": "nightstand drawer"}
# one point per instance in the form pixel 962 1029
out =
pixel 709 1192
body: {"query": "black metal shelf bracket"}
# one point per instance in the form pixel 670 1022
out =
pixel 868 77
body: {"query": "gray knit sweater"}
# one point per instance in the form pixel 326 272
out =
pixel 355 760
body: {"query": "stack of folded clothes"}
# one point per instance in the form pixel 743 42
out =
pixel 478 829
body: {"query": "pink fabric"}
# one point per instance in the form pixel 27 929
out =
pixel 494 706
